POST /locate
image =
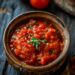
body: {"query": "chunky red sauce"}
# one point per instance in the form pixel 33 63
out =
pixel 36 42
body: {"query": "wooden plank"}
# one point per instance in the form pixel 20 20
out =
pixel 65 6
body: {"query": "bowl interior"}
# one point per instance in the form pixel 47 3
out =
pixel 23 19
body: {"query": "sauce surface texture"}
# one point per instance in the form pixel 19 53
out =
pixel 36 42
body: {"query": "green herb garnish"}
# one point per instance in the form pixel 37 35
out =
pixel 44 41
pixel 36 42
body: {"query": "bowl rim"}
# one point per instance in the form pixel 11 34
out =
pixel 63 53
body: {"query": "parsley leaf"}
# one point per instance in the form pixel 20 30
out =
pixel 36 42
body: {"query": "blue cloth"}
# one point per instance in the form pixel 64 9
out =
pixel 16 7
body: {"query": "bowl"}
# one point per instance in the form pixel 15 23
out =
pixel 53 66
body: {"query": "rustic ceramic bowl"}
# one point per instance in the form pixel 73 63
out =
pixel 20 20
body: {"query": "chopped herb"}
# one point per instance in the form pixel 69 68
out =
pixel 36 42
pixel 45 41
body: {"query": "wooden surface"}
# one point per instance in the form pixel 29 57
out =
pixel 66 5
pixel 9 9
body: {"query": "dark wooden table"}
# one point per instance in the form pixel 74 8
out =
pixel 9 9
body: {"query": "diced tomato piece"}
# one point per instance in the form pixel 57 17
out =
pixel 29 31
pixel 42 25
pixel 47 47
pixel 23 51
pixel 18 35
pixel 31 61
pixel 47 35
pixel 22 39
pixel 27 45
pixel 22 43
pixel 52 30
pixel 34 28
pixel 50 34
pixel 27 52
pixel 15 42
pixel 37 36
pixel 22 56
pixel 42 46
pixel 53 38
pixel 46 59
pixel 30 46
pixel 17 51
pixel 23 31
pixel 53 57
pixel 56 46
pixel 11 45
pixel 18 46
pixel 38 30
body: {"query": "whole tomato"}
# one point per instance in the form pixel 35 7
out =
pixel 39 4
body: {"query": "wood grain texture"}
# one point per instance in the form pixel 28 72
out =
pixel 66 5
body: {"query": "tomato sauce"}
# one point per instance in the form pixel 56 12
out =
pixel 36 42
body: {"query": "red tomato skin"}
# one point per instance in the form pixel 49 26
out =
pixel 17 51
pixel 38 36
pixel 52 30
pixel 50 34
pixel 47 35
pixel 22 56
pixel 31 61
pixel 39 4
pixel 23 31
pixel 42 25
pixel 57 45
pixel 46 59
pixel 29 31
